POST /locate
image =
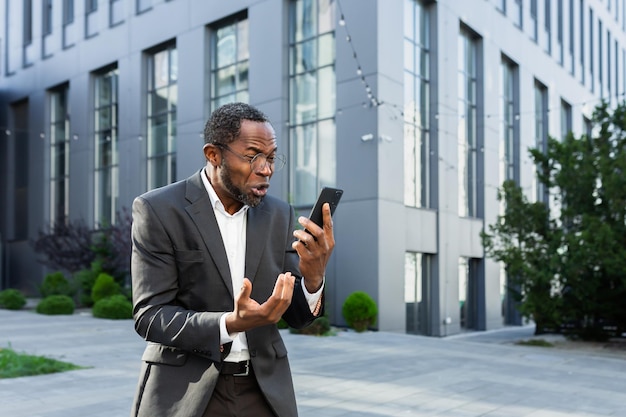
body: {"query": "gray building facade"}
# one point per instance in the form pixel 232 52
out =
pixel 419 110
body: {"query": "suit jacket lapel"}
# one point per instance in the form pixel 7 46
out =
pixel 257 234
pixel 201 213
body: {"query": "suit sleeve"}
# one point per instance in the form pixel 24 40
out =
pixel 158 315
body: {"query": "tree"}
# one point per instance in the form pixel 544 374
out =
pixel 73 247
pixel 568 258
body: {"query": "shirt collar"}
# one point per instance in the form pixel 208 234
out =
pixel 215 200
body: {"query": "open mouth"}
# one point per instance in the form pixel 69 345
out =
pixel 260 190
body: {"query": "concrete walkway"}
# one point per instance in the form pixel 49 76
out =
pixel 371 374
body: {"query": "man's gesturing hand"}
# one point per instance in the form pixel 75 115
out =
pixel 249 314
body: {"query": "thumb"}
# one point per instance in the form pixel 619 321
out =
pixel 246 288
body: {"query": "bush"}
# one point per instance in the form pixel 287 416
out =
pixel 73 246
pixel 319 327
pixel 86 278
pixel 56 284
pixel 12 299
pixel 360 311
pixel 56 304
pixel 113 307
pixel 105 286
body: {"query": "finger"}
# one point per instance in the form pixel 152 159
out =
pixel 246 289
pixel 282 286
pixel 327 216
pixel 310 226
pixel 303 237
pixel 283 290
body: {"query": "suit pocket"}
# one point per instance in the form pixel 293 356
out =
pixel 156 353
pixel 280 349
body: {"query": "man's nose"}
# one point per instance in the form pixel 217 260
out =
pixel 263 168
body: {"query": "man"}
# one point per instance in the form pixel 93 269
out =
pixel 216 263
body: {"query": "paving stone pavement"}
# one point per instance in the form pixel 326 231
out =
pixel 371 374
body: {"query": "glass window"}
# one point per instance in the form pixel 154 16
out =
pixel 600 60
pixel 106 146
pixel 468 152
pixel 47 17
pixel 591 51
pixel 518 14
pixel 566 118
pixel 417 276
pixel 416 105
pixel 541 133
pixel 509 153
pixel 162 101
pixel 116 12
pixel 28 22
pixel 463 288
pixel 311 99
pixel 68 12
pixel 59 153
pixel 616 69
pixel 547 27
pixel 582 70
pixel 608 65
pixel 92 23
pixel 230 63
pixel 559 29
pixel 534 20
pixel 91 6
pixel 501 6
pixel 571 32
pixel 469 297
pixel 587 126
pixel 21 171
pixel 143 5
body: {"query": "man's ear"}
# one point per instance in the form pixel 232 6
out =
pixel 212 154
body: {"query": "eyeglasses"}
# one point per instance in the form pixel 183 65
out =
pixel 260 160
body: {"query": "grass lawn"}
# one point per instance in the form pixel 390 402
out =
pixel 14 364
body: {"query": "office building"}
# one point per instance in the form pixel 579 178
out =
pixel 419 110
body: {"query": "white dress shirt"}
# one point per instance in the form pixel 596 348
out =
pixel 233 230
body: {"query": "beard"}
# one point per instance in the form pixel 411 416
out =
pixel 237 193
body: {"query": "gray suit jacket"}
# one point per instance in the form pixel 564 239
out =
pixel 181 287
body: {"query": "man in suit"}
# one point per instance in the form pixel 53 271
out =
pixel 215 264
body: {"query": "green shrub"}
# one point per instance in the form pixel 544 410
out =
pixel 86 278
pixel 56 304
pixel 56 284
pixel 105 286
pixel 319 327
pixel 360 311
pixel 12 299
pixel 113 307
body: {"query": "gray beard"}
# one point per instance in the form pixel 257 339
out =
pixel 251 201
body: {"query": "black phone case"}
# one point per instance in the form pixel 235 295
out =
pixel 327 195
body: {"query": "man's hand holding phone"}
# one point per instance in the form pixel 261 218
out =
pixel 314 247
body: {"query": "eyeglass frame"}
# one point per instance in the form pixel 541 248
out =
pixel 251 159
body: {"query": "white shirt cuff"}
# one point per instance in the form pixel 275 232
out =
pixel 312 299
pixel 224 336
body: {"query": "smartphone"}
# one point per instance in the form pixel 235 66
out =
pixel 327 195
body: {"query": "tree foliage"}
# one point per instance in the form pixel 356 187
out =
pixel 566 258
pixel 71 246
